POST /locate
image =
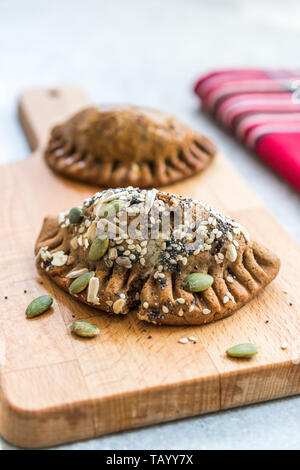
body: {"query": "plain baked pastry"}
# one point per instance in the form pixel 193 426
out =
pixel 127 145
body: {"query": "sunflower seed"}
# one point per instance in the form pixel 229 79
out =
pixel 91 232
pixel 93 291
pixel 150 198
pixel 76 273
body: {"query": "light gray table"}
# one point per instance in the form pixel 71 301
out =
pixel 150 52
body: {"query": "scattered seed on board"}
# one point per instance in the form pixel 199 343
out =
pixel 38 306
pixel 243 351
pixel 75 215
pixel 84 329
pixel 183 340
pixel 284 345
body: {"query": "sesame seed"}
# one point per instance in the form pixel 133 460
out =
pixel 225 299
pixel 183 340
pixel 165 309
pixel 180 300
pixel 180 313
pixel 191 308
pixel 206 311
pixel 145 305
pixel 122 296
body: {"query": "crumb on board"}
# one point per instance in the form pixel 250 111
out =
pixel 193 338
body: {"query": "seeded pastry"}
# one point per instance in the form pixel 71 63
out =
pixel 174 259
pixel 127 145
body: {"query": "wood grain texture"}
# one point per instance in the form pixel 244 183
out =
pixel 56 388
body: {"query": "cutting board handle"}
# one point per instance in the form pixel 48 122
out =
pixel 40 109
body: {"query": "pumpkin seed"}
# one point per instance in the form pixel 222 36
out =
pixel 81 282
pixel 197 282
pixel 111 208
pixel 75 215
pixel 98 248
pixel 84 329
pixel 39 306
pixel 245 350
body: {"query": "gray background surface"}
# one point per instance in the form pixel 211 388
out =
pixel 150 52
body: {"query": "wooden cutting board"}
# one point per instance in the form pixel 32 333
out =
pixel 55 388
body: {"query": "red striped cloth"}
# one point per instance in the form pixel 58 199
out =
pixel 262 109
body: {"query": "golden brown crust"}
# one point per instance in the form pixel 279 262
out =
pixel 254 268
pixel 127 145
pixel 240 268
